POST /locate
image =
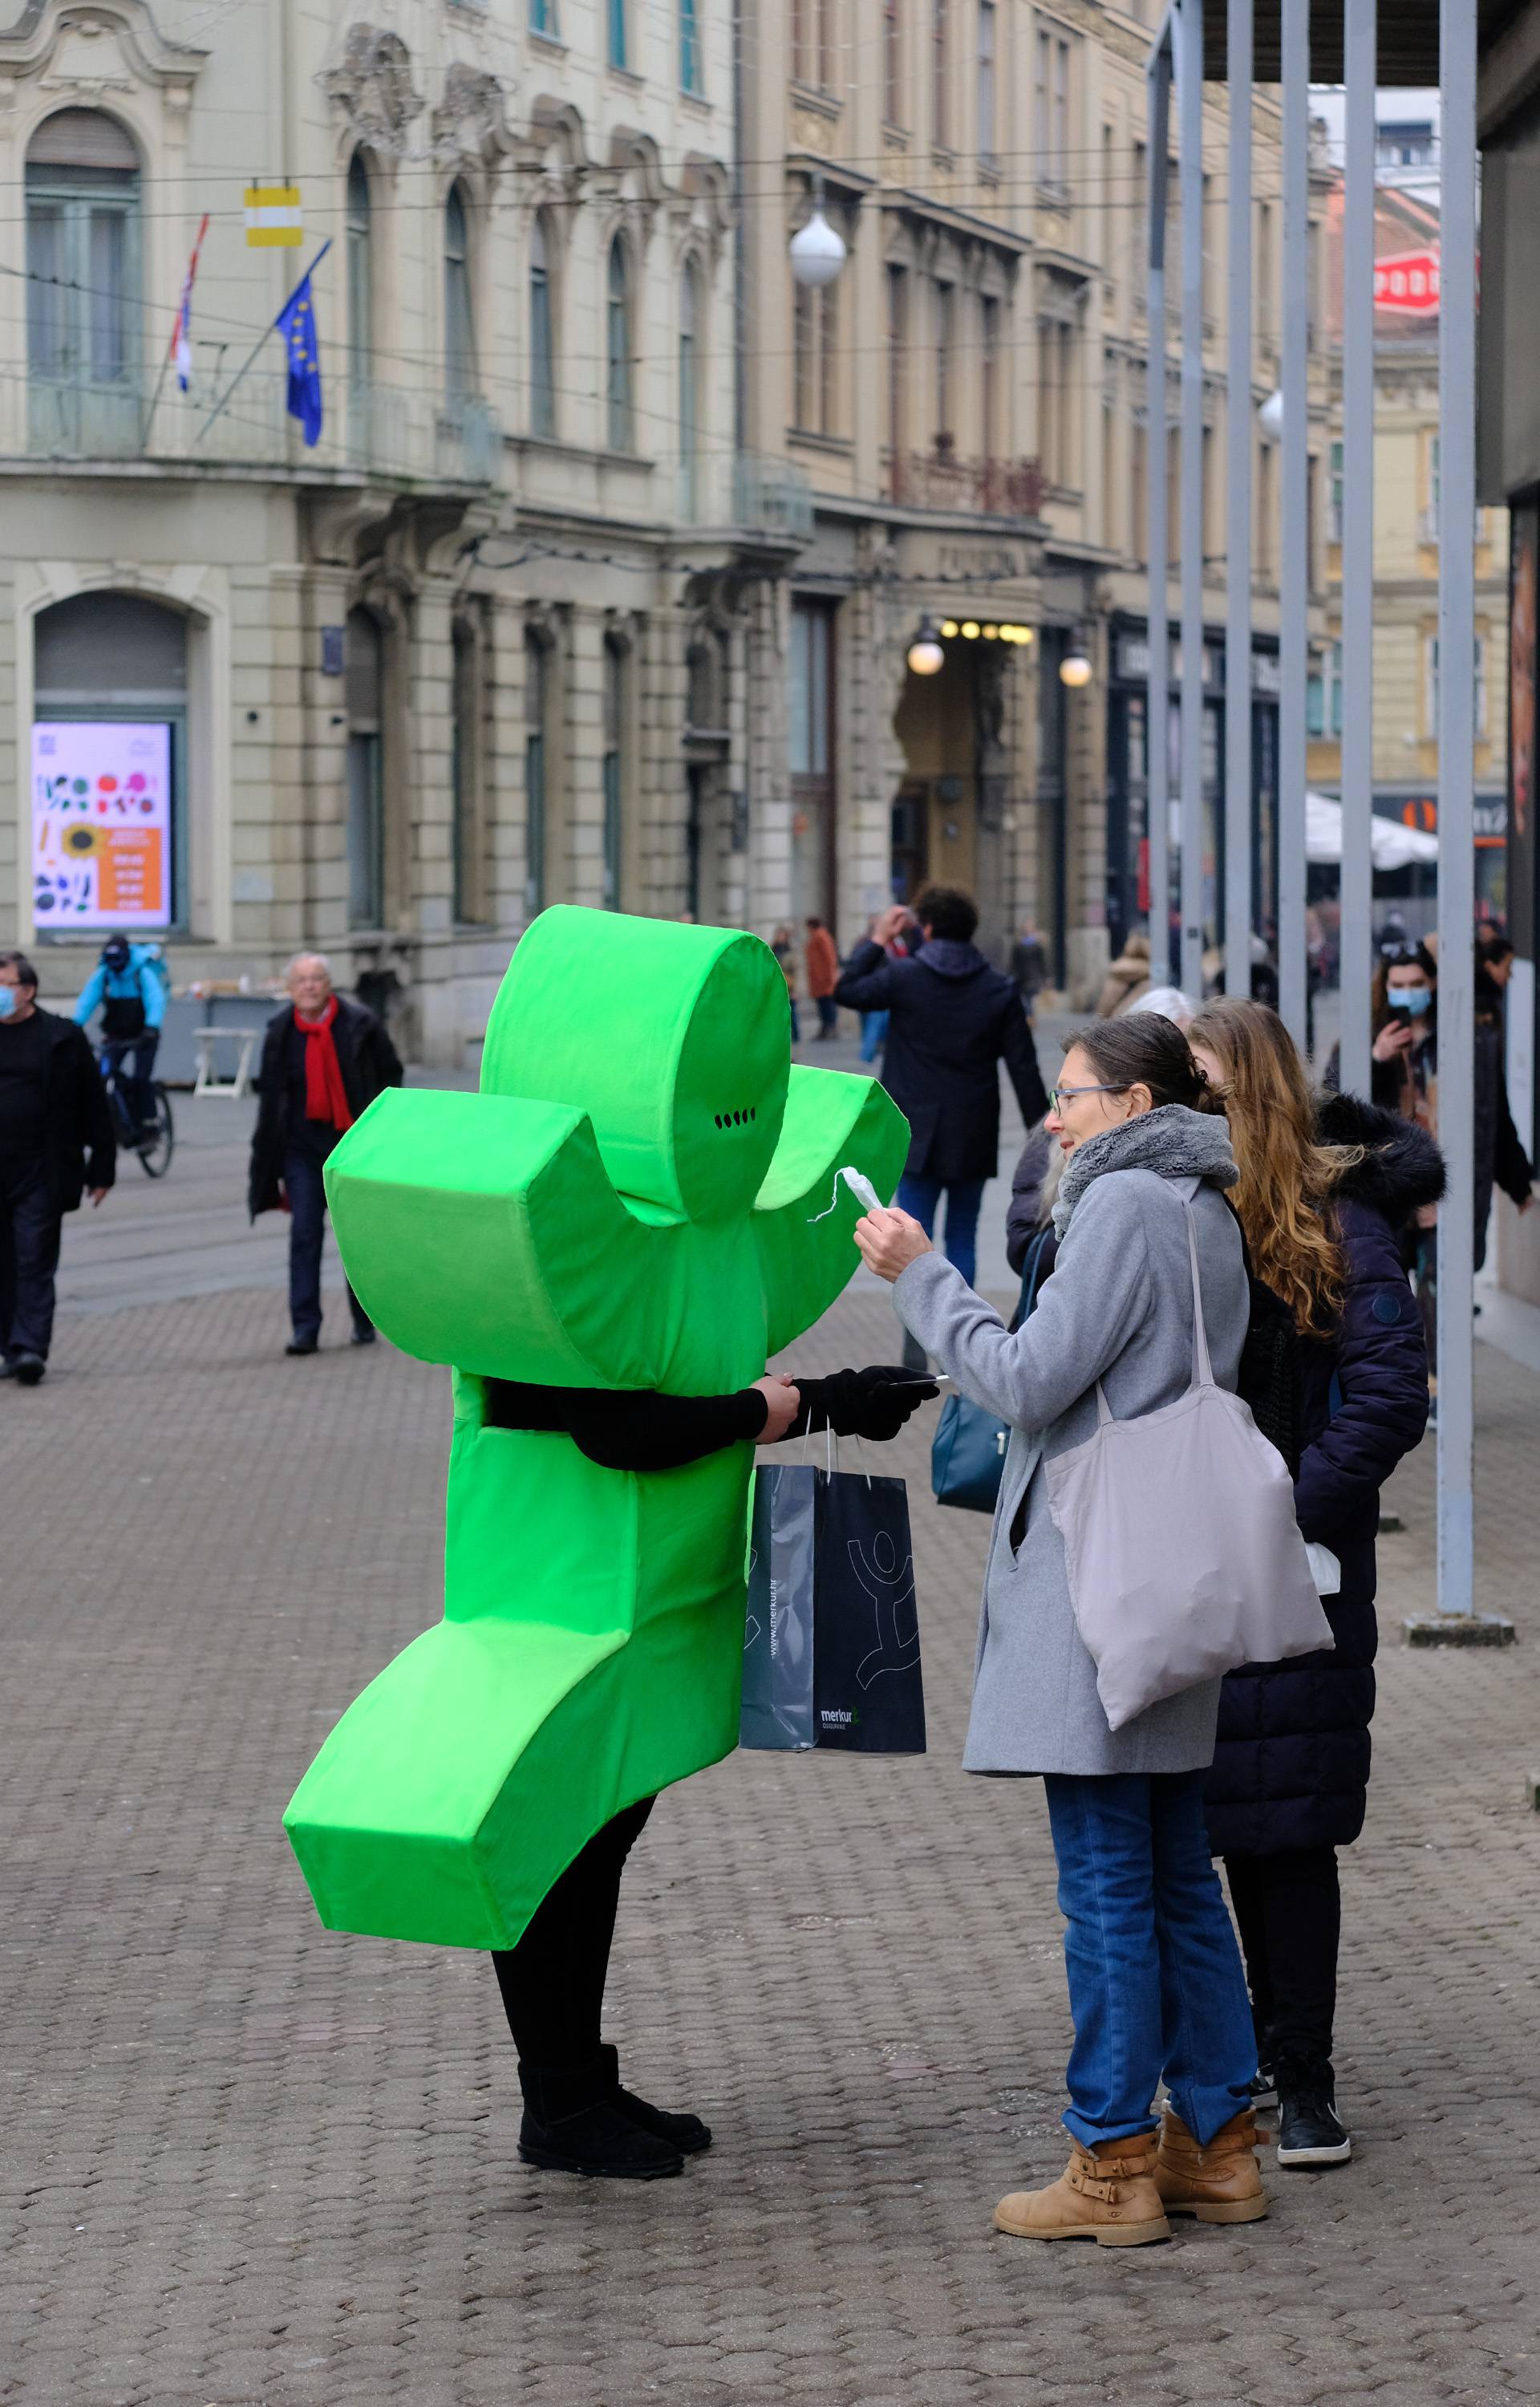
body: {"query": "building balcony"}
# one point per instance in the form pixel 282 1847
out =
pixel 985 488
pixel 772 497
pixel 369 429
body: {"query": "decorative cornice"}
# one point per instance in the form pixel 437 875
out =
pixel 373 89
pixel 83 49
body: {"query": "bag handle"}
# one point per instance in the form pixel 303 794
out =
pixel 1203 1370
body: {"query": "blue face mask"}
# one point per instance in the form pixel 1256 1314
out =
pixel 1410 998
pixel 8 1000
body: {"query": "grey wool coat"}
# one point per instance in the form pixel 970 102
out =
pixel 1118 1307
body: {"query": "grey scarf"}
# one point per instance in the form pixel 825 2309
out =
pixel 1172 1141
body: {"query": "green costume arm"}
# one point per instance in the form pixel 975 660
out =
pixel 519 1243
pixel 805 1261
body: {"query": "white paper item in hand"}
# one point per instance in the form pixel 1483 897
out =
pixel 1325 1570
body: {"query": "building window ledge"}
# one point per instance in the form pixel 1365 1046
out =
pixel 838 447
pixel 822 103
pixel 550 46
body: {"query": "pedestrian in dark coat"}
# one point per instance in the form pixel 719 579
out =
pixel 1324 1190
pixel 324 1060
pixel 953 1022
pixel 56 1143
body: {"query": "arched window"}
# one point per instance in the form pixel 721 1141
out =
pixel 363 687
pixel 83 202
pixel 361 274
pixel 459 331
pixel 110 694
pixel 618 325
pixel 690 391
pixel 542 334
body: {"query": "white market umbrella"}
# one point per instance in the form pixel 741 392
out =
pixel 1392 845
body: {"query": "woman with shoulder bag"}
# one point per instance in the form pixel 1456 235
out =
pixel 1324 1189
pixel 1155 1980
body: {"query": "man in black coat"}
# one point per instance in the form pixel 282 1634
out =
pixel 56 1142
pixel 324 1060
pixel 954 1022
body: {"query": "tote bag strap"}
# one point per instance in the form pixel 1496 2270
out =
pixel 1202 1371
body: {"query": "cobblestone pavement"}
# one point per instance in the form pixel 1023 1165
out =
pixel 248 2162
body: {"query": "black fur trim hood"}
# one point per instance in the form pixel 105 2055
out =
pixel 1402 1167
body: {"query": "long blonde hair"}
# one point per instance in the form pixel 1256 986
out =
pixel 1287 1179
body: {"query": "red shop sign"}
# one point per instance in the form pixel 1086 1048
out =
pixel 1408 281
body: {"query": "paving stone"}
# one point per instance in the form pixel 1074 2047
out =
pixel 294 2153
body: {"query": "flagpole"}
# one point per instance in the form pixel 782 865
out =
pixel 250 360
pixel 171 347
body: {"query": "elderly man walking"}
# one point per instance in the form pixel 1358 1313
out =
pixel 56 1145
pixel 324 1060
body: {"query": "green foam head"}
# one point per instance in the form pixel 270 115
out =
pixel 674 1039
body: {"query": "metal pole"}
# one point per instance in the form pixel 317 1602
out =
pixel 1237 516
pixel 1295 581
pixel 1190 140
pixel 1358 436
pixel 1158 683
pixel 1455 795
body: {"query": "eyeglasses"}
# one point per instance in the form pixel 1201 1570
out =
pixel 1059 1096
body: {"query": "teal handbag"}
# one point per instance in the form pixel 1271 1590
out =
pixel 967 1451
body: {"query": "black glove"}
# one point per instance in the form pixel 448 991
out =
pixel 873 1403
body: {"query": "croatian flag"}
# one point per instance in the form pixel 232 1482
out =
pixel 181 334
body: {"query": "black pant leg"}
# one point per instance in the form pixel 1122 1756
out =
pixel 553 1981
pixel 1296 1916
pixel 31 1239
pixel 302 1180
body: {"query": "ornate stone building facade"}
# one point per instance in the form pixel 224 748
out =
pixel 474 649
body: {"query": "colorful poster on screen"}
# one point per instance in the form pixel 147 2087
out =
pixel 100 823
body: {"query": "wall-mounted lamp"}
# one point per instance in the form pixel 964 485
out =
pixel 1075 667
pixel 925 655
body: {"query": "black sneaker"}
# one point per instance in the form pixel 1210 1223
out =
pixel 303 1346
pixel 1263 2086
pixel 574 2123
pixel 1310 2132
pixel 27 1369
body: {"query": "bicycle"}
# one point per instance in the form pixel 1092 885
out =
pixel 154 1141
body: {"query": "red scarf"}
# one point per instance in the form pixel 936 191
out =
pixel 325 1096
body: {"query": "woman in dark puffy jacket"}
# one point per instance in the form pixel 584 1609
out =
pixel 1325 1189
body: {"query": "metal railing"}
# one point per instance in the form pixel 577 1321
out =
pixel 771 496
pixel 990 488
pixel 380 428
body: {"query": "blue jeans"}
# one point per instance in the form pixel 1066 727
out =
pixel 873 1033
pixel 920 1198
pixel 303 1165
pixel 1155 1978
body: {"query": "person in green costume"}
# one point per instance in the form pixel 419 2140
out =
pixel 604 1245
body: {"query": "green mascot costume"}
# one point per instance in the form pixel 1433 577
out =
pixel 628 1204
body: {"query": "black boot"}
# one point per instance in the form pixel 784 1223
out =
pixel 685 2132
pixel 574 2123
pixel 1310 2132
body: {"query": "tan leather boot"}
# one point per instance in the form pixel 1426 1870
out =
pixel 1220 2182
pixel 1107 2193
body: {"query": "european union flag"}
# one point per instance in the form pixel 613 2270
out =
pixel 296 322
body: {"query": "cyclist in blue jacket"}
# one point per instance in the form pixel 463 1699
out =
pixel 130 986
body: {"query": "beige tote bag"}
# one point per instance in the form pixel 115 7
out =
pixel 1179 1538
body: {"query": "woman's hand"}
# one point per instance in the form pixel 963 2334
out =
pixel 783 1403
pixel 1393 1040
pixel 890 1240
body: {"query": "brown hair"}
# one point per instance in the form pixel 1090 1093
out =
pixel 1144 1050
pixel 1404 957
pixel 25 975
pixel 1283 1195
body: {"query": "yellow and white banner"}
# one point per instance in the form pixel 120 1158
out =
pixel 273 216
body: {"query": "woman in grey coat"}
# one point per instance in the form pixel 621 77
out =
pixel 1155 1980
